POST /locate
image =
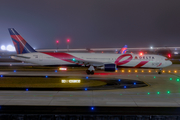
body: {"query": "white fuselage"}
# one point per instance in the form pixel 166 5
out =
pixel 99 59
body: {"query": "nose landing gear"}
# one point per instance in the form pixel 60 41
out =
pixel 160 71
pixel 90 70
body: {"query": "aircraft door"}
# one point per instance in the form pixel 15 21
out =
pixel 40 57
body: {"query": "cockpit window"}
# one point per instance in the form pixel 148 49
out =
pixel 166 59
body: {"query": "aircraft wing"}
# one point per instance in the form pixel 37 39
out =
pixel 88 62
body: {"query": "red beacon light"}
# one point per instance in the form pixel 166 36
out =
pixel 140 53
pixel 169 55
pixel 57 41
pixel 68 40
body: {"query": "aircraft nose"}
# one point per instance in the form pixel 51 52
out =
pixel 168 63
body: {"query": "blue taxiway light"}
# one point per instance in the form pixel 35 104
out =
pixel 134 83
pixel 85 89
pixel 86 77
pixel 92 108
pixel 27 89
pixel 119 80
pixel 55 70
pixel 46 76
pixel 124 86
pixel 1 75
pixel 14 70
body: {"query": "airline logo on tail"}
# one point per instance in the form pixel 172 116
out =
pixel 20 44
pixel 123 50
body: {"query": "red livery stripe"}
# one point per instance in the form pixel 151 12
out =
pixel 125 61
pixel 63 56
pixel 141 64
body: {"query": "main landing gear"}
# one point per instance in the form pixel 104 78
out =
pixel 90 70
pixel 160 71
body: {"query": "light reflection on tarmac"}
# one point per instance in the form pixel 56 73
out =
pixel 163 90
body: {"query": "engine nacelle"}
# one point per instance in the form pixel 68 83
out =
pixel 110 67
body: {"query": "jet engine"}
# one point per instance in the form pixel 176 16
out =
pixel 110 67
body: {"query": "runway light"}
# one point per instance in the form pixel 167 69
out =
pixel 10 48
pixel 62 68
pixel 142 70
pixel 129 71
pixel 149 71
pixel 135 70
pixel 86 77
pixel 122 70
pixel 170 79
pixel 116 71
pixel 55 70
pixel 177 80
pixel 14 70
pixel 134 83
pixel 92 108
pixel 1 75
pixel 168 92
pixel 175 71
pixel 70 81
pixel 124 86
pixel 148 93
pixel 27 89
pixel 3 47
pixel 158 93
pixel 154 76
pixel 119 80
pixel 163 71
pixel 169 71
pixel 46 76
pixel 85 89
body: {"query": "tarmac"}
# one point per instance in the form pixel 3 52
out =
pixel 162 91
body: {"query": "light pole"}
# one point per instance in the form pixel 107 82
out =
pixel 57 43
pixel 68 44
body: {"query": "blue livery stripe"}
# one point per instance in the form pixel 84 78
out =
pixel 21 44
pixel 13 32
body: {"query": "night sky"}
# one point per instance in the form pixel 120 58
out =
pixel 92 23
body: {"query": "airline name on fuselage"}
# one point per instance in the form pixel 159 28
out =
pixel 144 57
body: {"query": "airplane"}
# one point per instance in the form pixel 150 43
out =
pixel 108 61
pixel 123 50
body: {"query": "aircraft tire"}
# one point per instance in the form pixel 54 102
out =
pixel 159 72
pixel 88 72
pixel 92 72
